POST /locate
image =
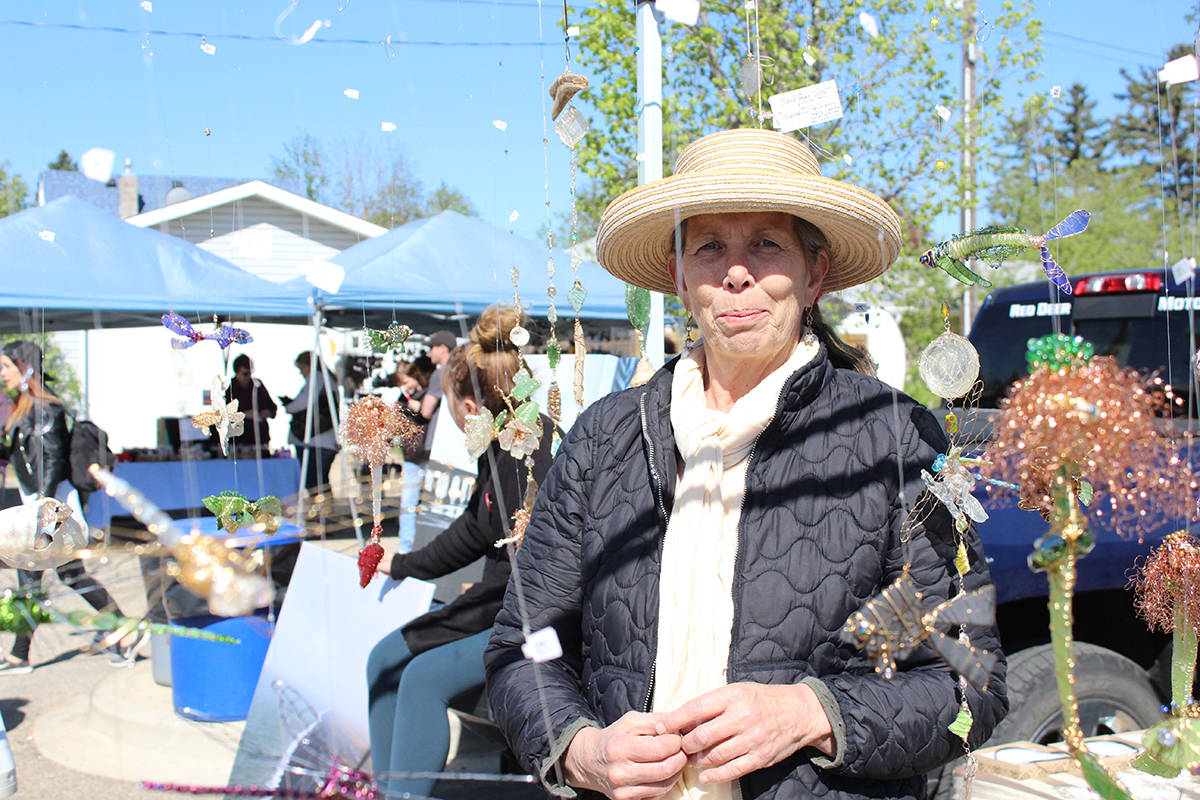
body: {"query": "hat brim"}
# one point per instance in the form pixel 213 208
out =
pixel 634 238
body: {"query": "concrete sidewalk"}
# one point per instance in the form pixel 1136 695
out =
pixel 80 727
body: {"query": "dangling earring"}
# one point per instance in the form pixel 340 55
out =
pixel 809 339
pixel 689 330
pixel 26 376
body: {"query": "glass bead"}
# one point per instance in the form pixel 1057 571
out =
pixel 519 336
pixel 571 127
pixel 1166 737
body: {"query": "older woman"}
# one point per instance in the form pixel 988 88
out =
pixel 701 540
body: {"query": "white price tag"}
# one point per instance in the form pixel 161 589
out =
pixel 801 108
pixel 542 646
pixel 1183 268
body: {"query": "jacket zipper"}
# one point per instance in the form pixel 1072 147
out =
pixel 662 508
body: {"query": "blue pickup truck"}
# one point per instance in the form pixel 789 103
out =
pixel 1145 320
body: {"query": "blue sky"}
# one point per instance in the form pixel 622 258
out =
pixel 150 97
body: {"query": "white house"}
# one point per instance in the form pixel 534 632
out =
pixel 260 227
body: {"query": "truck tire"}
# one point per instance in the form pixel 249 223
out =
pixel 1115 695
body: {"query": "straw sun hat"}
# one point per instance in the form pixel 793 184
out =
pixel 747 170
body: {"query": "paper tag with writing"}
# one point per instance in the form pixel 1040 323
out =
pixel 801 108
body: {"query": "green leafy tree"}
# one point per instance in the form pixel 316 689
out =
pixel 1080 135
pixel 890 139
pixel 447 197
pixel 303 165
pixel 64 162
pixel 1156 129
pixel 14 194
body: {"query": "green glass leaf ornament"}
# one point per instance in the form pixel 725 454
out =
pixel 637 302
pixel 527 413
pixel 21 613
pixel 961 727
pixel 524 385
pixel 1085 492
pixel 1098 778
pixel 269 504
pixel 576 296
pixel 501 418
pixel 553 353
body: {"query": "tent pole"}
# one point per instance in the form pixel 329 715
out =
pixel 649 130
pixel 87 375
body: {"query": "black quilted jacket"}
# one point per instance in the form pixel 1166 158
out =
pixel 819 535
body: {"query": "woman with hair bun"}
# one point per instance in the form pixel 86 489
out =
pixel 414 672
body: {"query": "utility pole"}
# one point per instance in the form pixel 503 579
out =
pixel 649 140
pixel 966 214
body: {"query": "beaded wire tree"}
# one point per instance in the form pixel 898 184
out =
pixel 1082 432
pixel 1168 598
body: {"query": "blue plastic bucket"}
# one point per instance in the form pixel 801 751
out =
pixel 214 681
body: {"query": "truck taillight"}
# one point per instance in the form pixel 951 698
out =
pixel 1133 282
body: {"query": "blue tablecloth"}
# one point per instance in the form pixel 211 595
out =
pixel 287 533
pixel 181 485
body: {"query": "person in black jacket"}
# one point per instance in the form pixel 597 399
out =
pixel 414 672
pixel 38 444
pixel 702 540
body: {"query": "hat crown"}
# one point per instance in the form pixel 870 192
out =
pixel 747 150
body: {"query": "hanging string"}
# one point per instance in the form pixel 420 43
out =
pixel 566 33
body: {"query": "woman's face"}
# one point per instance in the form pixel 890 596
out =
pixel 409 384
pixel 10 374
pixel 460 407
pixel 746 280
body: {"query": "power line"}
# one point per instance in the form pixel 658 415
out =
pixel 246 37
pixel 1104 44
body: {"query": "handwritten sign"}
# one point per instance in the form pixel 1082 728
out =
pixel 802 108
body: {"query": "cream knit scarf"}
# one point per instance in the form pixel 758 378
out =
pixel 696 581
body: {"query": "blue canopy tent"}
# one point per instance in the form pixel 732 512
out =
pixel 450 262
pixel 69 265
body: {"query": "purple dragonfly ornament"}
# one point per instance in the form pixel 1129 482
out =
pixel 224 335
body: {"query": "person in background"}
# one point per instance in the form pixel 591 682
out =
pixel 38 444
pixel 255 401
pixel 414 672
pixel 413 379
pixel 322 443
pixel 440 345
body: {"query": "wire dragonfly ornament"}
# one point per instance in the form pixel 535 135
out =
pixel 224 335
pixel 995 244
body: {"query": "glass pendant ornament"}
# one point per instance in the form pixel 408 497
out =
pixel 949 366
pixel 41 535
pixel 479 430
pixel 519 336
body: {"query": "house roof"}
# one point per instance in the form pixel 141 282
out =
pixel 267 191
pixel 152 189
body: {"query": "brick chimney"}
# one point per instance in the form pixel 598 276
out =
pixel 127 191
